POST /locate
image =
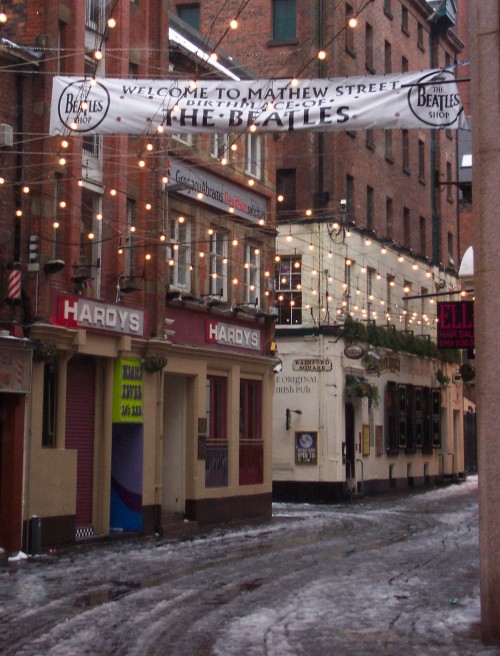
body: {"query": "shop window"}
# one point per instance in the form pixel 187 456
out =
pixel 253 155
pixel 49 405
pixel 218 263
pixel 251 468
pixel 252 273
pixel 217 452
pixel 179 253
pixel 288 286
pixel 190 14
pixel 436 418
pixel 284 20
pixel 410 419
pixel 391 418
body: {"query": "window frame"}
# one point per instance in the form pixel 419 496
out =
pixel 290 288
pixel 283 21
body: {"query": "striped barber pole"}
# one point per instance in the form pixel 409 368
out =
pixel 14 286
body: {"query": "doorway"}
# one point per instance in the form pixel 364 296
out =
pixel 350 443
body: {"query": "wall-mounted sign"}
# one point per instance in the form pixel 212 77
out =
pixel 306 447
pixel 192 180
pixel 15 368
pixel 127 392
pixel 77 312
pixel 455 324
pixel 228 335
pixel 354 351
pixel 312 364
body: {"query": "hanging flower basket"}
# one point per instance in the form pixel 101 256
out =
pixel 154 363
pixel 44 351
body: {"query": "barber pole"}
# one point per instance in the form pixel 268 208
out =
pixel 14 284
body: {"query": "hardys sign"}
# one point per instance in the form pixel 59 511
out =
pixel 423 99
pixel 77 312
pixel 229 335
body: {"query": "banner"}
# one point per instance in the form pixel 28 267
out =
pixel 424 99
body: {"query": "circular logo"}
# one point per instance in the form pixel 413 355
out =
pixel 83 105
pixel 306 441
pixel 354 351
pixel 434 101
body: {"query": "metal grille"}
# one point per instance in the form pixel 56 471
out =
pixel 216 466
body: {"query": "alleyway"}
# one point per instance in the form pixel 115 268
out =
pixel 392 575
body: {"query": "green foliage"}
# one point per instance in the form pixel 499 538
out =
pixel 396 340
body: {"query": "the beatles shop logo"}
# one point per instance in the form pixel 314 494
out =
pixel 83 105
pixel 435 101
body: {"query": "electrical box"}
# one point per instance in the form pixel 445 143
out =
pixel 6 135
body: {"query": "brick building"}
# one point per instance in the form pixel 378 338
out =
pixel 368 232
pixel 144 301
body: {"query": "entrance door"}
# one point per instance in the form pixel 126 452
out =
pixel 80 409
pixel 350 443
pixel 176 392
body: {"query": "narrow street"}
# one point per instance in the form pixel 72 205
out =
pixel 389 575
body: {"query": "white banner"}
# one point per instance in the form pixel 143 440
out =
pixel 424 99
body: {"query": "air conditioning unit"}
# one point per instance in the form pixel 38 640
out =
pixel 6 135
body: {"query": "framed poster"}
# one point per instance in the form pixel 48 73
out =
pixel 366 440
pixel 306 447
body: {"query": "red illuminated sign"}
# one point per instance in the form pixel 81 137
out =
pixel 455 325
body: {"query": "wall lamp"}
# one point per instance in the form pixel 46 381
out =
pixel 289 415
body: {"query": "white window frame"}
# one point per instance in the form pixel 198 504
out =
pixel 219 145
pixel 180 272
pixel 252 273
pixel 218 263
pixel 253 155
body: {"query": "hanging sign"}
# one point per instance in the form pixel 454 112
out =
pixel 127 392
pixel 455 325
pixel 422 99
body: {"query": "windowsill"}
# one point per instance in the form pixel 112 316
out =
pixel 285 42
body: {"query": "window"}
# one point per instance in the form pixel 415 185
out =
pixel 391 283
pixel 389 156
pixel 179 254
pixel 420 37
pixel 49 405
pixel 370 206
pixel 406 227
pixel 218 264
pixel 288 287
pixel 251 470
pixel 387 57
pixel 95 15
pixel 405 140
pixel 190 14
pixel 388 8
pixel 58 196
pixel 253 155
pixel 90 241
pixel 370 273
pixel 404 65
pixel 404 20
pixel 252 274
pixel 449 182
pixel 348 263
pixel 349 192
pixel 451 258
pixel 369 139
pixel 423 235
pixel 349 32
pixel 406 292
pixel 388 216
pixel 286 186
pixel 216 453
pixel 219 145
pixel 186 139
pixel 369 48
pixel 421 161
pixel 128 269
pixel 284 20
